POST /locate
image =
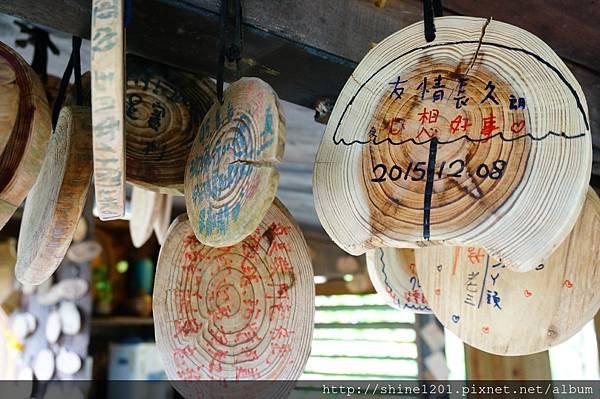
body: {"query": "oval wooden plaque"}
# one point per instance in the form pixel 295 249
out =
pixel 163 218
pixel 24 130
pixel 108 89
pixel 456 142
pixel 230 178
pixel 509 313
pixel 56 201
pixel 243 312
pixel 394 277
pixel 145 207
pixel 164 109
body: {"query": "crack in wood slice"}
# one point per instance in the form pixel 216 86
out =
pixel 416 153
pixel 24 130
pixel 108 87
pixel 243 312
pixel 230 178
pixel 393 274
pixel 56 201
pixel 164 108
pixel 506 312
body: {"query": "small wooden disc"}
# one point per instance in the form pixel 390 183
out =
pixel 108 89
pixel 163 218
pixel 393 274
pixel 144 210
pixel 164 109
pixel 56 201
pixel 230 178
pixel 454 142
pixel 24 130
pixel 84 251
pixel 510 313
pixel 243 312
pixel 43 366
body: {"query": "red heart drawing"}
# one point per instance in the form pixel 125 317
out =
pixel 528 293
pixel 437 291
pixel 568 284
pixel 517 126
pixel 485 330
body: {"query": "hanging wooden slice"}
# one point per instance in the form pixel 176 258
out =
pixel 230 178
pixel 394 277
pixel 84 251
pixel 43 366
pixel 145 208
pixel 164 109
pixel 56 201
pixel 456 142
pixel 243 312
pixel 108 89
pixel 163 219
pixel 24 130
pixel 509 313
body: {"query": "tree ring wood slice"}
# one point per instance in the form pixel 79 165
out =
pixel 145 208
pixel 505 312
pixel 393 274
pixel 55 202
pixel 84 251
pixel 230 178
pixel 164 108
pixel 163 219
pixel 108 107
pixel 428 144
pixel 24 130
pixel 243 312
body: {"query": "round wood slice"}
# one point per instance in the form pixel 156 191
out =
pixel 68 362
pixel 230 178
pixel 243 312
pixel 70 318
pixel 456 143
pixel 164 108
pixel 145 208
pixel 56 201
pixel 84 251
pixel 53 327
pixel 108 107
pixel 163 219
pixel 43 366
pixel 509 313
pixel 24 130
pixel 393 274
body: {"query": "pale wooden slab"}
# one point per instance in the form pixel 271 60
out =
pixel 393 274
pixel 24 130
pixel 56 201
pixel 164 108
pixel 108 87
pixel 509 313
pixel 163 218
pixel 230 177
pixel 145 207
pixel 243 312
pixel 405 162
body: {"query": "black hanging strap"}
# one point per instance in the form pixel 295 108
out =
pixel 230 40
pixel 74 64
pixel 41 44
pixel 431 9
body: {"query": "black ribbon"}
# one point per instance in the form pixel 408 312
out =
pixel 74 64
pixel 41 44
pixel 431 9
pixel 230 40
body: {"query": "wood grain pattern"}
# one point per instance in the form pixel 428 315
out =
pixel 24 130
pixel 456 143
pixel 164 109
pixel 243 312
pixel 510 313
pixel 55 203
pixel 230 177
pixel 393 274
pixel 108 86
pixel 145 208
